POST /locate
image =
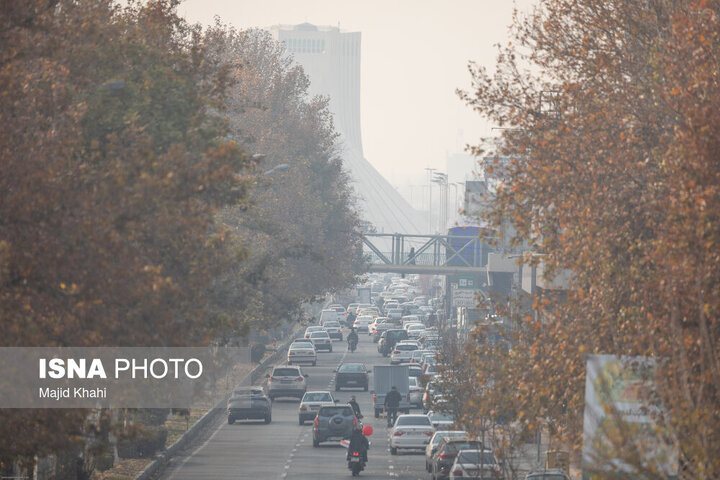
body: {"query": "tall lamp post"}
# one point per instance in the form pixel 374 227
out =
pixel 430 222
pixel 442 180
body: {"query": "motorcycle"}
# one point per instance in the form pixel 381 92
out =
pixel 352 345
pixel 356 463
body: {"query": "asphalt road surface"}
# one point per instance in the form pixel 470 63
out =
pixel 283 449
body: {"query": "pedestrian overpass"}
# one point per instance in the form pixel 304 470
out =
pixel 426 254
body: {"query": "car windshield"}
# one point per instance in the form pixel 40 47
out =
pixel 286 372
pixel 351 368
pixel 406 420
pixel 317 397
pixel 473 457
pixel 332 411
pixel 318 335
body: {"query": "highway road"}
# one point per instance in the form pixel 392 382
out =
pixel 283 449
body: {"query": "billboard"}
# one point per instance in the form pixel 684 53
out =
pixel 620 434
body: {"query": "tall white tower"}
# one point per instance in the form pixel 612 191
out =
pixel 331 58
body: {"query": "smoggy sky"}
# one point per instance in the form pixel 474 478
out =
pixel 414 56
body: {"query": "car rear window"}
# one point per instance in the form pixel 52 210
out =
pixel 246 392
pixel 473 457
pixel 332 411
pixel 286 372
pixel 349 368
pixel 466 445
pixel 317 397
pixel 413 420
pixel 318 335
pixel 406 347
pixel 332 324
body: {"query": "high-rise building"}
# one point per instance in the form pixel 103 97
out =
pixel 331 59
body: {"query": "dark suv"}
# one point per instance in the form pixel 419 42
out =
pixel 389 339
pixel 333 424
pixel 446 452
pixel 249 403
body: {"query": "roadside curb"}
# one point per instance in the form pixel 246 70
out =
pixel 163 458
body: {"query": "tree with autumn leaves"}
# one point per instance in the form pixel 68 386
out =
pixel 612 110
pixel 122 163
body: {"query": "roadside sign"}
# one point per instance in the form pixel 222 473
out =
pixel 466 298
pixel 466 282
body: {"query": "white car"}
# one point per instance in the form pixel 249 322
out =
pixel 410 431
pixel 311 403
pixel 321 340
pixel 415 330
pixel 334 329
pixel 475 464
pixel 416 392
pixel 441 421
pixel 314 328
pixel 300 352
pixel 402 352
pixel 362 322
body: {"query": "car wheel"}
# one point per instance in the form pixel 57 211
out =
pixel 268 419
pixel 330 350
pixel 393 451
pixel 365 388
pixel 301 421
pixel 337 388
pixel 316 443
pixel 377 413
pixel 231 420
pixel 313 364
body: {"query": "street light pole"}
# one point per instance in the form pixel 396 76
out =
pixel 430 222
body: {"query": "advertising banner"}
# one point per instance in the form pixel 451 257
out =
pixel 619 430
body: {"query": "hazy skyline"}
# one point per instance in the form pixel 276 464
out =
pixel 414 56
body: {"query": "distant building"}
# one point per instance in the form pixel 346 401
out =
pixel 331 58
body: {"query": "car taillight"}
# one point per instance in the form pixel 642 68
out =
pixel 429 434
pixel 408 397
pixel 299 379
pixel 374 398
pixel 271 379
pixel 315 423
pixel 396 351
pixel 399 433
pixel 412 360
pixel 458 473
pixel 445 456
pixel 356 454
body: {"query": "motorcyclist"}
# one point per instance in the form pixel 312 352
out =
pixel 358 443
pixel 356 408
pixel 352 337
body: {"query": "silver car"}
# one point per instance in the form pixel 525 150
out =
pixel 302 352
pixel 286 381
pixel 321 340
pixel 311 403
